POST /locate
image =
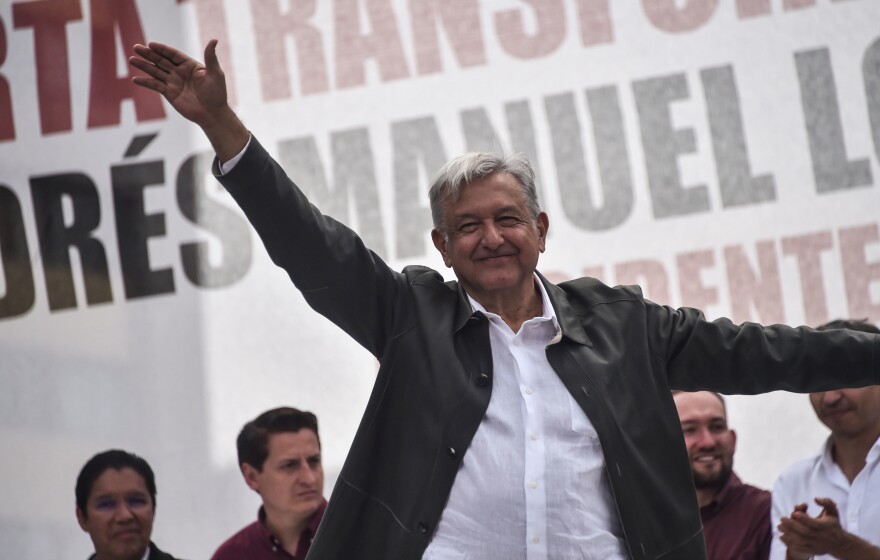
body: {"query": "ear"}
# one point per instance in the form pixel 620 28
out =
pixel 733 441
pixel 543 225
pixel 251 477
pixel 81 518
pixel 440 244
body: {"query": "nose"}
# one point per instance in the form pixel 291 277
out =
pixel 492 237
pixel 704 438
pixel 123 512
pixel 309 476
pixel 831 398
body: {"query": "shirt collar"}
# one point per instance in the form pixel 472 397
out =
pixel 146 555
pixel 873 453
pixel 828 457
pixel 547 313
pixel 264 529
pixel 724 494
pixel 312 527
pixel 826 454
pixel 309 530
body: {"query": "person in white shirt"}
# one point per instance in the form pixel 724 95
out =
pixel 828 505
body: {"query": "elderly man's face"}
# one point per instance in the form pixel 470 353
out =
pixel 492 242
pixel 119 515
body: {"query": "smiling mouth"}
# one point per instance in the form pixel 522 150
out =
pixel 493 258
pixel 127 534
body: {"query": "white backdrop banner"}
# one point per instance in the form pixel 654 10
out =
pixel 723 154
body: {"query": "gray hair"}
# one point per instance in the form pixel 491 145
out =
pixel 473 166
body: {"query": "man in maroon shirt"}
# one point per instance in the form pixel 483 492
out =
pixel 279 453
pixel 736 516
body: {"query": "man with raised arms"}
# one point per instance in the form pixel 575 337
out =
pixel 511 417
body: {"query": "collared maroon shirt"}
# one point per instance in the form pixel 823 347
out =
pixel 736 524
pixel 255 542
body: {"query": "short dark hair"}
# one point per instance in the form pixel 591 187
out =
pixel 111 459
pixel 862 325
pixel 253 440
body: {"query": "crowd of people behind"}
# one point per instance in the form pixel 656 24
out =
pixel 512 417
pixel 823 506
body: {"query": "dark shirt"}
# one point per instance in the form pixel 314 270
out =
pixel 736 524
pixel 255 542
pixel 155 554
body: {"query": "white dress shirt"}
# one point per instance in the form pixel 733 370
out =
pixel 532 485
pixel 820 477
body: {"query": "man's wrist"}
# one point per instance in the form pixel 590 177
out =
pixel 227 134
pixel 852 547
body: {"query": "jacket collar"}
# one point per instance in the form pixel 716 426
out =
pixel 566 313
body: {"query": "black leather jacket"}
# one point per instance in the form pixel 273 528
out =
pixel 619 356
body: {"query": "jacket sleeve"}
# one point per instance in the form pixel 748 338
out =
pixel 338 276
pixel 751 358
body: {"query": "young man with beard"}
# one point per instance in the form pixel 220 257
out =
pixel 736 516
pixel 279 453
pixel 828 505
pixel 116 504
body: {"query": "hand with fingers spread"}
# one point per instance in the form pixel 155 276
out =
pixel 196 91
pixel 807 536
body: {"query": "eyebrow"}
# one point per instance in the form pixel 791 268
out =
pixel 284 460
pixel 123 495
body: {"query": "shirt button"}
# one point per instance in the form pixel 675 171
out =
pixel 516 343
pixel 528 391
pixel 533 485
pixel 536 540
pixel 534 436
pixel 451 451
